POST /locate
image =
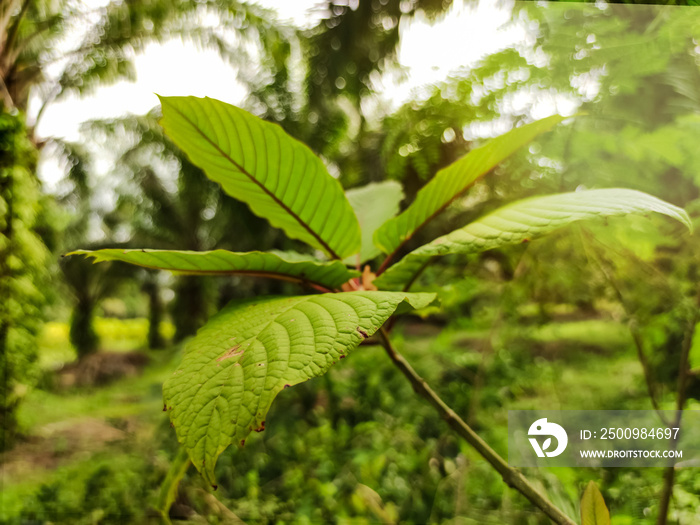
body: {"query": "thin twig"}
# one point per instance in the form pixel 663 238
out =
pixel 641 356
pixel 634 331
pixel 683 373
pixel 512 477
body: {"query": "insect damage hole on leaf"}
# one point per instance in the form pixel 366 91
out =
pixel 232 352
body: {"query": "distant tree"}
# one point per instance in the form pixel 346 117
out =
pixel 34 40
pixel 89 287
pixel 352 44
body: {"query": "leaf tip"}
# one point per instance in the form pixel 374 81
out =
pixel 593 508
pixel 687 221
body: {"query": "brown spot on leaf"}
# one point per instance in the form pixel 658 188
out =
pixel 165 408
pixel 525 241
pixel 215 487
pixel 261 428
pixel 234 351
pixel 364 334
pixel 242 442
pixel 342 356
pixel 287 386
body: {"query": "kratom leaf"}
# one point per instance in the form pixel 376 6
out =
pixel 289 266
pixel 373 204
pixel 453 180
pixel 593 509
pixel 258 163
pixel 251 350
pixel 524 220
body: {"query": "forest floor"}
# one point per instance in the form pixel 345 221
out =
pixel 69 427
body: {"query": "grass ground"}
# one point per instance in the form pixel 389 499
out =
pixel 69 430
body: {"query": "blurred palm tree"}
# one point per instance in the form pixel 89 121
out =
pixel 54 48
pixel 343 56
pixel 88 289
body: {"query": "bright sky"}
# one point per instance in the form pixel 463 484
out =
pixel 428 52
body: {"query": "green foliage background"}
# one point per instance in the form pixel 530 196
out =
pixel 24 263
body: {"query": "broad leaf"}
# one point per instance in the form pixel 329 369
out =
pixel 453 180
pixel 288 266
pixel 373 204
pixel 251 350
pixel 258 163
pixel 593 509
pixel 524 220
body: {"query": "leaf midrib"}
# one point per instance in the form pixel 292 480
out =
pixel 286 208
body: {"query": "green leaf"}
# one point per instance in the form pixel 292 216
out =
pixel 593 509
pixel 258 163
pixel 288 266
pixel 453 180
pixel 524 220
pixel 253 349
pixel 373 204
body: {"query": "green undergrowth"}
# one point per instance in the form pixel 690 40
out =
pixel 357 445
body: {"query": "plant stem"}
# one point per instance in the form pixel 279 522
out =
pixel 512 477
pixel 633 328
pixel 168 489
pixel 683 372
pixel 646 368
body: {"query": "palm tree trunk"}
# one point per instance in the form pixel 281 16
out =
pixel 155 313
pixel 190 308
pixel 82 331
